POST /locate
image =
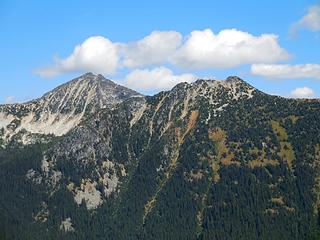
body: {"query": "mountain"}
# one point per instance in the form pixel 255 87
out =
pixel 206 160
pixel 62 109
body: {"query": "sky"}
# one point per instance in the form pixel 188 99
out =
pixel 152 45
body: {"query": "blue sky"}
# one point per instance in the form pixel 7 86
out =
pixel 38 39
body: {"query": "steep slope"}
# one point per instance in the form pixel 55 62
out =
pixel 207 160
pixel 61 109
pixel 98 141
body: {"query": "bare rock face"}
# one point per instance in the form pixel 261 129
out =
pixel 62 109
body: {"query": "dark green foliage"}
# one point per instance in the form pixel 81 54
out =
pixel 268 201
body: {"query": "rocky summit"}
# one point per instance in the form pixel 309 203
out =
pixel 61 109
pixel 207 160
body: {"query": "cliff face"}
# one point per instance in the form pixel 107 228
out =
pixel 207 160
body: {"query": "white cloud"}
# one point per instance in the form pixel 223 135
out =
pixel 96 54
pixel 228 48
pixel 157 78
pixel 155 48
pixel 199 50
pixel 310 21
pixel 284 71
pixel 303 92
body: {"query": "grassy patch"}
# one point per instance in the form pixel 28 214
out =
pixel 277 200
pixel 262 163
pixel 261 160
pixel 279 130
pixel 286 151
pixel 224 155
pixel 294 118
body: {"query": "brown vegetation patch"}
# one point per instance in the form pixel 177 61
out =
pixel 262 163
pixel 286 151
pixel 224 155
pixel 217 135
pixel 149 206
pixel 289 209
pixel 196 175
pixel 279 130
pixel 277 200
pixel 294 118
pixel 271 211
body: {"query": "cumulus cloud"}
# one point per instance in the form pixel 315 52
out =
pixel 198 50
pixel 97 54
pixel 155 48
pixel 157 78
pixel 303 92
pixel 228 48
pixel 310 21
pixel 285 71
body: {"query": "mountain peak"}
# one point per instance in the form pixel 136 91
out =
pixel 232 83
pixel 87 93
pixel 234 79
pixel 92 76
pixel 88 74
pixel 237 80
pixel 233 86
pixel 88 79
pixel 64 107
